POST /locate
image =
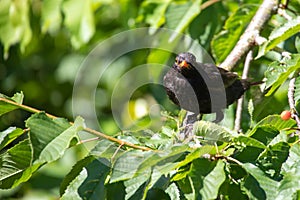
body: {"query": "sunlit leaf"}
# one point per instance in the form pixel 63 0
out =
pixel 157 158
pixel 13 163
pixel 153 12
pixel 223 43
pixel 79 19
pixel 71 192
pixel 212 132
pixel 126 165
pixel 179 15
pixel 272 158
pixel 269 186
pixel 293 162
pixel 297 91
pixel 297 43
pixel 6 107
pixel 56 148
pixel 280 34
pixel 14 24
pixel 173 192
pixel 276 122
pixel 278 72
pixel 51 16
pixel 248 141
pixel 213 181
pixel 106 149
pixel 93 185
pixel 197 153
pixel 9 135
pixel 207 177
pixel 134 184
pixel 290 184
pixel 76 171
pixel 43 131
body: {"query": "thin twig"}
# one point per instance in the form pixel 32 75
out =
pixel 247 40
pixel 239 108
pixel 87 140
pixel 89 130
pixel 208 3
pixel 291 92
pixel 115 153
pixel 282 12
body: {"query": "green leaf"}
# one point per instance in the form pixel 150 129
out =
pixel 212 132
pixel 162 169
pixel 213 181
pixel 136 183
pixel 93 185
pixel 158 158
pixel 207 177
pixel 293 162
pixel 290 184
pixel 126 165
pixel 248 141
pixel 264 133
pixel 18 97
pixel 43 130
pixel 269 186
pixel 223 43
pixel 278 72
pixel 255 143
pixel 15 24
pixel 106 149
pixel 205 25
pixel 153 12
pixel 179 15
pixel 79 19
pixel 9 135
pixel 6 107
pixel 71 192
pixel 271 160
pixel 280 34
pixel 297 43
pixel 76 170
pixel 197 153
pixel 297 92
pixel 251 110
pixel 51 16
pixel 13 163
pixel 56 148
pixel 253 189
pixel 173 192
pixel 276 122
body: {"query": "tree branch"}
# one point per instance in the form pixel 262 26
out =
pixel 89 130
pixel 239 109
pixel 248 39
pixel 291 91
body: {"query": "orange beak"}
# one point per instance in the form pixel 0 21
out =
pixel 184 64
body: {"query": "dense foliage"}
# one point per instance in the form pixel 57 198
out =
pixel 43 44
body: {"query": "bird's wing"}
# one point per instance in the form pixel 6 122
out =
pixel 214 74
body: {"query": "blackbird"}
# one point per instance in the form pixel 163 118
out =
pixel 202 88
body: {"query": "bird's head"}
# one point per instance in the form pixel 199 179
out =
pixel 184 62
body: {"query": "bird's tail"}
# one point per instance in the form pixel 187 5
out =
pixel 246 83
pixel 256 83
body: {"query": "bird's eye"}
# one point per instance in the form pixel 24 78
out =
pixel 176 60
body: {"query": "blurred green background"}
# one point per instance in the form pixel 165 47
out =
pixel 43 44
